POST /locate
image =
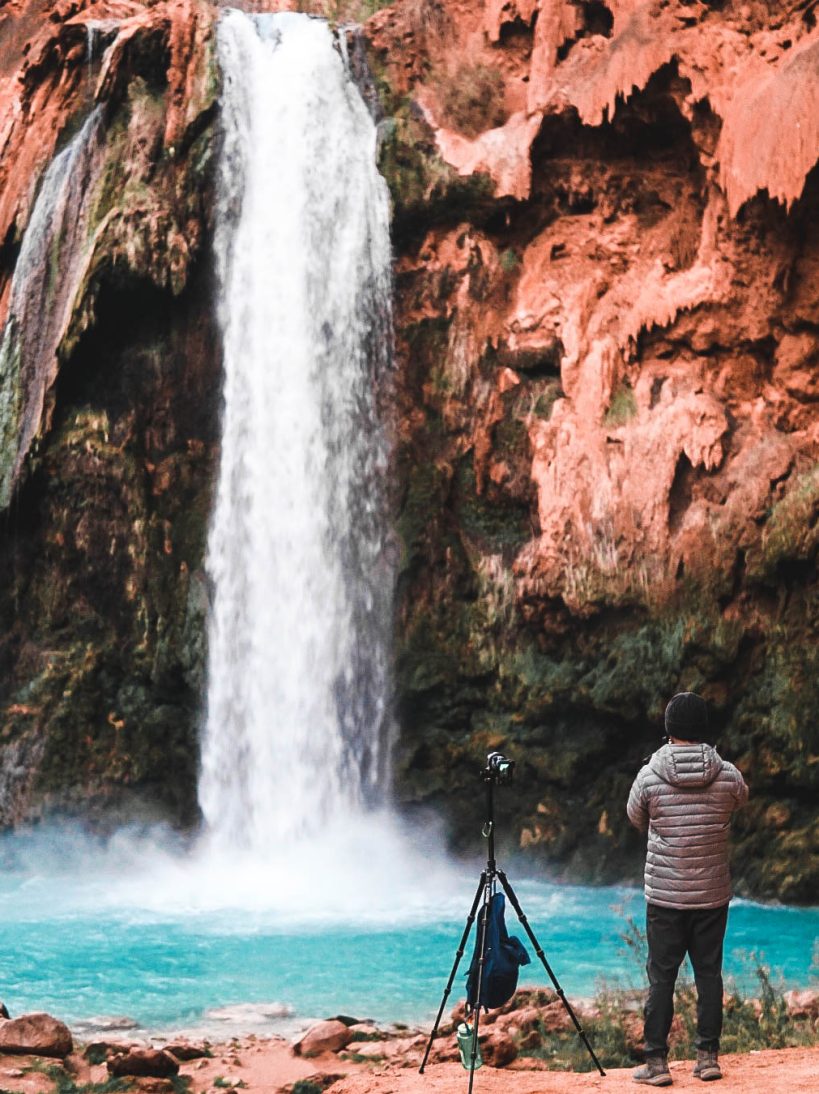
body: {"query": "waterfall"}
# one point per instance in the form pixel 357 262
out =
pixel 297 711
pixel 51 258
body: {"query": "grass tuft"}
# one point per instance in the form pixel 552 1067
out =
pixel 613 1024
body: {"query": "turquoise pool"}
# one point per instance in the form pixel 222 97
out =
pixel 171 939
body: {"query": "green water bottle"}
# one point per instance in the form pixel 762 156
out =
pixel 463 1035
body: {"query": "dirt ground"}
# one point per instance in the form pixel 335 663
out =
pixel 266 1066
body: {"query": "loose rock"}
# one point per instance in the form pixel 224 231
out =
pixel 327 1036
pixel 188 1050
pixel 154 1086
pixel 38 1034
pixel 151 1062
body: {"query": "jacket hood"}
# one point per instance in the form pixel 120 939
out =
pixel 686 765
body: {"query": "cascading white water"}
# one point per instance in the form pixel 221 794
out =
pixel 41 299
pixel 297 695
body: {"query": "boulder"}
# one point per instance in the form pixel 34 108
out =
pixel 497 1048
pixel 329 1036
pixel 37 1034
pixel 444 1049
pixel 555 1017
pixel 527 1018
pixel 153 1063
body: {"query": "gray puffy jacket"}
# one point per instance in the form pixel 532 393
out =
pixel 685 796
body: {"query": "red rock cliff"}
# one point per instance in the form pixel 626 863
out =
pixel 609 349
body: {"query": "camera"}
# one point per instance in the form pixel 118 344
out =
pixel 499 769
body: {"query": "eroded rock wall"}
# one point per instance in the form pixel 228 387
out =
pixel 608 351
pixel 111 415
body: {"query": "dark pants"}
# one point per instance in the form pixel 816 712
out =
pixel 673 932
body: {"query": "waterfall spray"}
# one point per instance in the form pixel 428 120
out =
pixel 296 733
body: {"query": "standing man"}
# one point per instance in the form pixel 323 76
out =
pixel 684 797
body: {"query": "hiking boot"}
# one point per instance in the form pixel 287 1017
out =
pixel 654 1072
pixel 707 1065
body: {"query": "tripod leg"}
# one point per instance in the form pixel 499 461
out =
pixel 481 962
pixel 470 919
pixel 513 900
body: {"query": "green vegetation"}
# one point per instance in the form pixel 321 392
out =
pixel 615 1026
pixel 509 260
pixel 305 1086
pixel 545 401
pixel 494 524
pixel 64 1083
pixel 314 1085
pixel 791 533
pixel 424 189
pixel 357 1058
pixel 623 406
pixel 342 11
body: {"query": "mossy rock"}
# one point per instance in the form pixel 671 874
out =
pixel 424 189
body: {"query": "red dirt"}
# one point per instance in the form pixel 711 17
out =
pixel 266 1066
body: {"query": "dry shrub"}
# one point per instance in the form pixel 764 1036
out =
pixel 471 98
pixel 427 19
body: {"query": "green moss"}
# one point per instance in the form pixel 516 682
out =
pixel 545 402
pixel 424 189
pixel 623 406
pixel 121 184
pixel 509 260
pixel 427 487
pixel 493 525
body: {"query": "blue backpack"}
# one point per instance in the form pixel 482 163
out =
pixel 504 956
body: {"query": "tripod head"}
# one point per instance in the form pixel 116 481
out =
pixel 498 772
pixel 499 769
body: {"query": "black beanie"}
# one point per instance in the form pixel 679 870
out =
pixel 686 717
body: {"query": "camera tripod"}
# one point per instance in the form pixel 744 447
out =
pixel 486 887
